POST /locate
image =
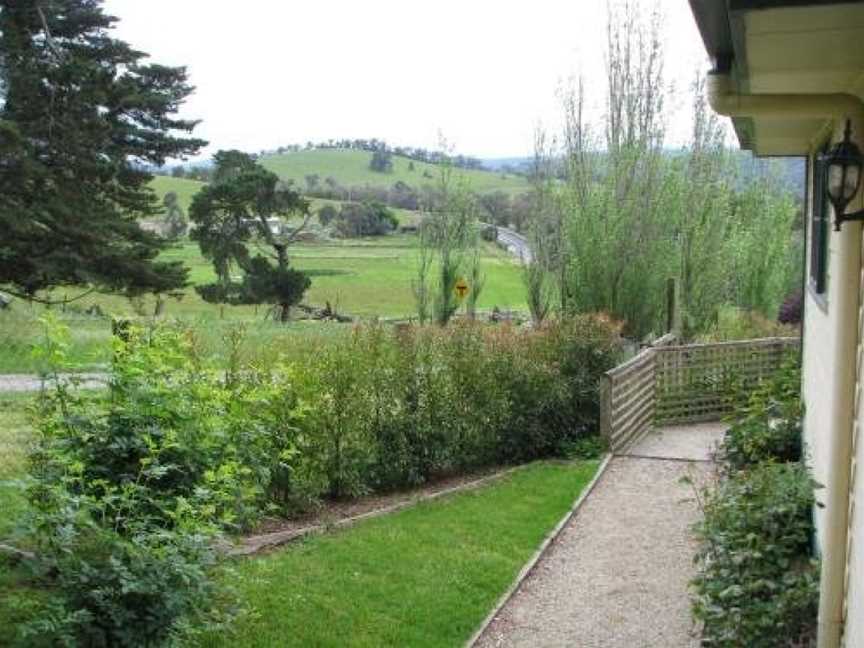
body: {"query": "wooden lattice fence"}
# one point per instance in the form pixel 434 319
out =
pixel 668 385
pixel 627 397
pixel 698 382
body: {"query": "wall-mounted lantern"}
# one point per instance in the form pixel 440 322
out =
pixel 844 162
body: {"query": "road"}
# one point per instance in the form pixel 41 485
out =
pixel 514 243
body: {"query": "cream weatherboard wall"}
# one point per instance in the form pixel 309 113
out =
pixel 854 578
pixel 818 376
pixel 819 396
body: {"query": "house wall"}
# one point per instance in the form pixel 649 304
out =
pixel 854 578
pixel 818 377
pixel 854 631
pixel 819 355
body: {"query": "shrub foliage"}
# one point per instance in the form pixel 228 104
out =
pixel 758 585
pixel 767 423
pixel 132 488
pixel 758 582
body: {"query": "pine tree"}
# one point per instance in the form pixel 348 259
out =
pixel 81 116
pixel 246 205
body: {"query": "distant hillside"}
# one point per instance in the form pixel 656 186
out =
pixel 792 171
pixel 184 189
pixel 351 168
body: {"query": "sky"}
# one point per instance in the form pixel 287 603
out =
pixel 482 74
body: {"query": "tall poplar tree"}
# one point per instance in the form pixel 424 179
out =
pixel 82 114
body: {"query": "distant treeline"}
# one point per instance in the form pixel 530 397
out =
pixel 497 207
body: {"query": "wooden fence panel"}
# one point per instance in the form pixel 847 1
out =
pixel 667 385
pixel 627 398
pixel 698 382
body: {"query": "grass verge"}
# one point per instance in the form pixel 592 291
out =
pixel 426 576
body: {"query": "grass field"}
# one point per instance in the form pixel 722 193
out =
pixel 184 189
pixel 351 168
pixel 360 277
pixel 426 576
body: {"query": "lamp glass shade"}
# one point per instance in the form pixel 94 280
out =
pixel 843 179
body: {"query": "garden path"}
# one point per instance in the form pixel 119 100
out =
pixel 617 575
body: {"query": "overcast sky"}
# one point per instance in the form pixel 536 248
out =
pixel 483 73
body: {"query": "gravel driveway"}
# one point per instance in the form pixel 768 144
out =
pixel 617 575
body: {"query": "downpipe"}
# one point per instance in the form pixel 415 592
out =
pixel 724 99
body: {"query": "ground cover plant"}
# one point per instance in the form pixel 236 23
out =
pixel 129 490
pixel 758 581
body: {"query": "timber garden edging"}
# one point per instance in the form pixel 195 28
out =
pixel 669 384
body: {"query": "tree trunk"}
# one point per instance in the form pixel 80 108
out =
pixel 284 313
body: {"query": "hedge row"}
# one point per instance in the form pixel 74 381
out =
pixel 131 488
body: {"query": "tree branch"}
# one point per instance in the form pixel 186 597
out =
pixel 48 302
pixel 49 39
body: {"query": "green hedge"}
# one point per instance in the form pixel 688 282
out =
pixel 758 585
pixel 131 488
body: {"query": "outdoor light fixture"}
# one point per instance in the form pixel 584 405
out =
pixel 844 163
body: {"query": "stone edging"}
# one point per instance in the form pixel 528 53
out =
pixel 529 566
pixel 256 544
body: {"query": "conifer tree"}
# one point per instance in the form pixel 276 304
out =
pixel 82 115
pixel 246 206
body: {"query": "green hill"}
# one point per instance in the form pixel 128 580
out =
pixel 351 168
pixel 184 189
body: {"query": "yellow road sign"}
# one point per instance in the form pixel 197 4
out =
pixel 461 289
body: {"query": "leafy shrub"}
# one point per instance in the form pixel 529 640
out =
pixel 365 219
pixel 791 308
pixel 757 584
pixel 739 324
pixel 767 423
pixel 392 410
pixel 131 488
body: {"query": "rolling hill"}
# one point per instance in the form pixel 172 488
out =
pixel 184 189
pixel 351 168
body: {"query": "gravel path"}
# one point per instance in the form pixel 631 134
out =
pixel 31 382
pixel 617 575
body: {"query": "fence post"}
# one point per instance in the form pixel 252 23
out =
pixel 671 305
pixel 606 408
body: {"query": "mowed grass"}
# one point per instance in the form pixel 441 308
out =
pixel 426 576
pixel 351 168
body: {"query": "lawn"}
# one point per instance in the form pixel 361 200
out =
pixel 426 576
pixel 351 168
pixel 360 277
